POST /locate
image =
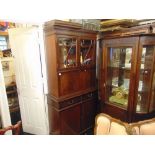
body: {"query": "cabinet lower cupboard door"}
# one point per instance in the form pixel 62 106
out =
pixel 70 122
pixel 89 111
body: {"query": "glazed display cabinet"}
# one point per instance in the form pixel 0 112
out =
pixel 127 74
pixel 71 69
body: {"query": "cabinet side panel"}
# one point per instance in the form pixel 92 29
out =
pixel 51 61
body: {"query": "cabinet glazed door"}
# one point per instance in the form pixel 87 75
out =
pixel 87 63
pixel 67 52
pixel 87 52
pixel 118 76
pixel 145 98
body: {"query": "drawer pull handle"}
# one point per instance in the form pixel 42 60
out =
pixel 71 102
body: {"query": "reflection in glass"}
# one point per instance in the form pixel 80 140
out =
pixel 87 49
pixel 118 75
pixel 144 79
pixel 67 57
pixel 152 102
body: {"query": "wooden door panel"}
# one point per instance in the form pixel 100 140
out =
pixel 87 79
pixel 88 113
pixel 93 78
pixel 70 120
pixel 29 79
pixel 68 82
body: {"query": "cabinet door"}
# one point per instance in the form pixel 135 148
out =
pixel 88 114
pixel 70 120
pixel 87 79
pixel 145 99
pixel 68 82
pixel 118 74
pixel 87 52
pixel 67 52
pixel 117 80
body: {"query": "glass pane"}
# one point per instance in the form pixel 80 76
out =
pixel 87 50
pixel 145 78
pixel 67 51
pixel 152 102
pixel 118 75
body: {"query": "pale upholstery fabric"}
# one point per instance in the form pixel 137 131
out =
pixel 117 129
pixel 135 130
pixel 147 129
pixel 103 125
pixel 106 125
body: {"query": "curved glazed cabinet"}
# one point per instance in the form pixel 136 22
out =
pixel 71 68
pixel 127 76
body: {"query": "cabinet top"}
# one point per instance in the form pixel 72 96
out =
pixel 58 24
pixel 54 23
pixel 148 29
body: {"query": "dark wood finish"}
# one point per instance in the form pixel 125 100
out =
pixel 89 112
pixel 136 39
pixel 115 112
pixel 123 42
pixel 70 120
pixel 72 116
pixel 69 80
pixel 134 31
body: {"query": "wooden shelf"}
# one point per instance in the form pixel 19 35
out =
pixel 11 92
pixel 3 33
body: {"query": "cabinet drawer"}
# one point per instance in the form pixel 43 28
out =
pixel 70 102
pixel 89 96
